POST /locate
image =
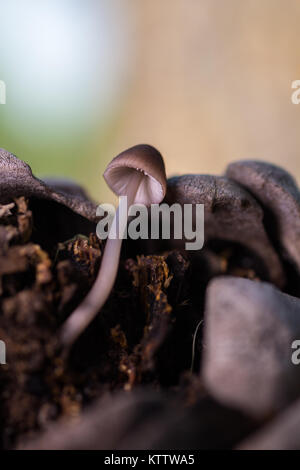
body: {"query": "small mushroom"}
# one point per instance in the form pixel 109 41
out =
pixel 139 174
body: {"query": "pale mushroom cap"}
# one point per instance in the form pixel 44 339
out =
pixel 126 169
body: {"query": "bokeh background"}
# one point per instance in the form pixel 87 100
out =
pixel 205 81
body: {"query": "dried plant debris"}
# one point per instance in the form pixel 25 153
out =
pixel 151 278
pixel 185 341
pixel 121 348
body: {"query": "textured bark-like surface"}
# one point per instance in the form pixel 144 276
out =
pixel 279 194
pixel 61 209
pixel 17 180
pixel 231 214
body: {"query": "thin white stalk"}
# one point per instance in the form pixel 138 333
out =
pixel 99 293
pixel 194 345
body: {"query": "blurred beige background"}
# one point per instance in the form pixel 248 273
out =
pixel 212 83
pixel 207 82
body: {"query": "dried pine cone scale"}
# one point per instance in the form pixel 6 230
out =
pixel 61 208
pixel 231 215
pixel 248 325
pixel 17 180
pixel 249 329
pixel 278 193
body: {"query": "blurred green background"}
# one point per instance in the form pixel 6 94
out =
pixel 205 81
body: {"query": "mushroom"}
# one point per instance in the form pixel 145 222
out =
pixel 139 174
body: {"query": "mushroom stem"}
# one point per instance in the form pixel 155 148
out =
pixel 99 293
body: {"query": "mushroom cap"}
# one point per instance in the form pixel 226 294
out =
pixel 125 170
